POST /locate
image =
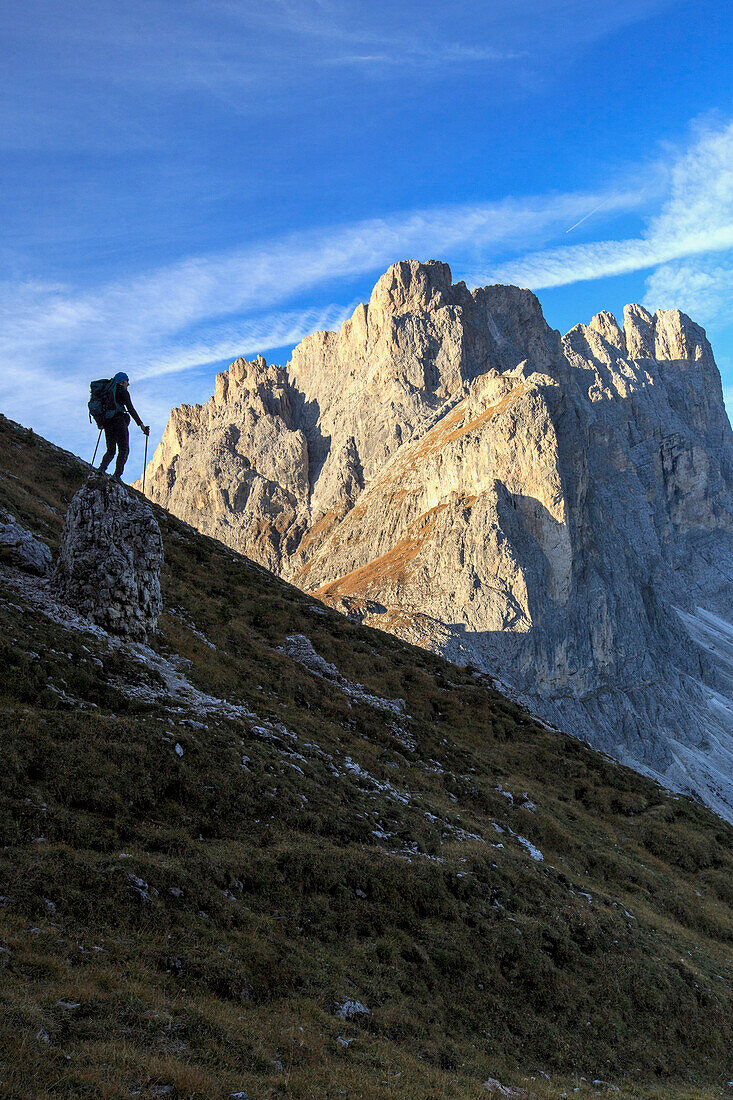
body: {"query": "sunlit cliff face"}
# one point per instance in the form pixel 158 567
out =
pixel 448 468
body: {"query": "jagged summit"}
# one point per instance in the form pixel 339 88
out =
pixel 410 285
pixel 667 335
pixel 555 510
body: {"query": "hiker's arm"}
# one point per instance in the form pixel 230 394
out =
pixel 131 409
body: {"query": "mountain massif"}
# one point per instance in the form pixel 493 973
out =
pixel 556 512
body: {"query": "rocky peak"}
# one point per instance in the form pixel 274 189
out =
pixel 639 332
pixel 411 286
pixel 676 337
pixel 606 325
pixel 260 385
pixel 668 335
pixel 110 558
pixel 509 321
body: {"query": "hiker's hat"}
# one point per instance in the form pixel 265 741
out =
pixel 120 377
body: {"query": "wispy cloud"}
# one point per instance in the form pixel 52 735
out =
pixel 502 30
pixel 205 309
pixel 250 337
pixel 412 54
pixel 699 286
pixel 696 218
pixel 89 80
pixel 352 34
pixel 133 319
pixel 47 387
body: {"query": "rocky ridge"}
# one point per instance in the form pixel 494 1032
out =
pixel 554 511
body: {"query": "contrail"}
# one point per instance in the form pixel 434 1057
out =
pixel 586 216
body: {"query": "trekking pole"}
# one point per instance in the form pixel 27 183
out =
pixel 95 449
pixel 145 462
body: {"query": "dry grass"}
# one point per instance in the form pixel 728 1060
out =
pixel 268 897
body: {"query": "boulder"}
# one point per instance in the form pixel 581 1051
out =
pixel 20 547
pixel 110 559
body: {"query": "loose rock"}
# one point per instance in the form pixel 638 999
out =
pixel 350 1010
pixel 20 547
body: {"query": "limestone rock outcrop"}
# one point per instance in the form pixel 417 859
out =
pixel 110 559
pixel 556 511
pixel 20 548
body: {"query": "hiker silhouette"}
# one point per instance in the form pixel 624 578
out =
pixel 111 407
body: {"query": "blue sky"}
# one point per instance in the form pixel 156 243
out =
pixel 185 181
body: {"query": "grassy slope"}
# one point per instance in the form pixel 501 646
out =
pixel 474 960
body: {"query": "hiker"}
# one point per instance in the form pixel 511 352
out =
pixel 116 431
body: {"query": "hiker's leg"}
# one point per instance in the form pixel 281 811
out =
pixel 123 447
pixel 110 439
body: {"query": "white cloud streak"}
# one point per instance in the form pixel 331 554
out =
pixel 585 217
pixel 701 287
pixel 414 55
pixel 696 219
pixel 248 338
pixel 205 309
pixel 135 321
pixel 210 308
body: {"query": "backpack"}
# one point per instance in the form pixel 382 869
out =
pixel 103 401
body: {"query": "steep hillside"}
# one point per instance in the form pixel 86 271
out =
pixel 556 512
pixel 280 854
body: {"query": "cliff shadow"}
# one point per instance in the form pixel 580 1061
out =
pixel 306 416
